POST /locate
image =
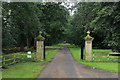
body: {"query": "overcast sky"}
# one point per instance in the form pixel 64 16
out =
pixel 69 5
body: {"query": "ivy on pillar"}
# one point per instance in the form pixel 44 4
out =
pixel 39 48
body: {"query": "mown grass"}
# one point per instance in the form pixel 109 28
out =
pixel 105 65
pixel 29 69
pixel 55 46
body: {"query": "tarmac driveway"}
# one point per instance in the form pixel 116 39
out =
pixel 64 66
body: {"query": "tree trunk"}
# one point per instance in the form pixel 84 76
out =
pixel 28 42
pixel 34 43
pixel 22 46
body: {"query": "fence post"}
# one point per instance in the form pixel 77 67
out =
pixel 108 56
pixel 14 58
pixel 22 56
pixel 3 60
pixel 93 56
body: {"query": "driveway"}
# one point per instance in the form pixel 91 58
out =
pixel 64 66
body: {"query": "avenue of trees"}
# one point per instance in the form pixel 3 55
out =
pixel 22 22
pixel 101 19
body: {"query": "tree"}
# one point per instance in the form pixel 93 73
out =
pixel 54 21
pixel 102 19
pixel 23 21
pixel 20 23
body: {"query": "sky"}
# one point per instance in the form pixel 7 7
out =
pixel 69 5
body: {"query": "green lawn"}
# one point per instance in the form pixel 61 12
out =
pixel 105 65
pixel 55 46
pixel 29 69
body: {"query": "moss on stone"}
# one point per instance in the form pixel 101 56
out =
pixel 88 37
pixel 40 37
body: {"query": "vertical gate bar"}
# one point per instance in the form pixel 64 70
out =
pixel 44 50
pixel 82 47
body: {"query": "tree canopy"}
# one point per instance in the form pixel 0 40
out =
pixel 22 22
pixel 101 19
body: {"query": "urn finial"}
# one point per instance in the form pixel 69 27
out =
pixel 40 32
pixel 88 33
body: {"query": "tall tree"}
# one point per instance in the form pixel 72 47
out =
pixel 21 23
pixel 54 21
pixel 102 19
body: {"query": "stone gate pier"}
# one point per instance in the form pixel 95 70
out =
pixel 39 56
pixel 88 47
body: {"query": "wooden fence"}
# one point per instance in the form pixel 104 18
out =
pixel 11 59
pixel 106 56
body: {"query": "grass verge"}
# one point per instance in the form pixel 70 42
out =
pixel 29 69
pixel 105 65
